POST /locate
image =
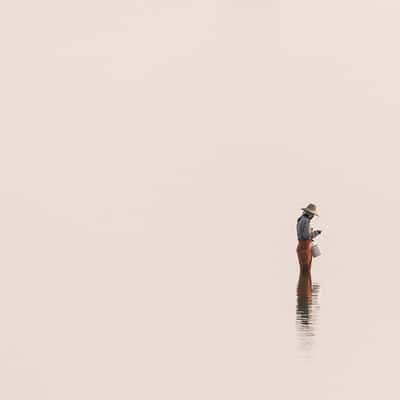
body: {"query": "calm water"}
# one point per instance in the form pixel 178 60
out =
pixel 206 313
pixel 227 326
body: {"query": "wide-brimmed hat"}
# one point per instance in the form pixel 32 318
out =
pixel 311 208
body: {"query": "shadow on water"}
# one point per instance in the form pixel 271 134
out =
pixel 307 311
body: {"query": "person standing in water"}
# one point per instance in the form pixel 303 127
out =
pixel 305 236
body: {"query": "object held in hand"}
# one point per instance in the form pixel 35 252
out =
pixel 315 250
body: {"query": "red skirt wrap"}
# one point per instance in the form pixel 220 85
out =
pixel 304 254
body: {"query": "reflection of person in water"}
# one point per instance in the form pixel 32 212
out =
pixel 307 305
pixel 304 298
pixel 305 236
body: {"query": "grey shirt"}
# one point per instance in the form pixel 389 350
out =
pixel 304 230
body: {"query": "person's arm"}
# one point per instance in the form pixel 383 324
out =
pixel 306 232
pixel 315 233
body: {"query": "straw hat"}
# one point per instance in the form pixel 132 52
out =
pixel 311 208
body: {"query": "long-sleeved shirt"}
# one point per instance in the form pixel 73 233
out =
pixel 304 230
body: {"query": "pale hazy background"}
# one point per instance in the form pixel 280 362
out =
pixel 154 158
